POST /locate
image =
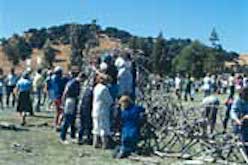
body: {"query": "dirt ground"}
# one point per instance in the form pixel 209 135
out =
pixel 37 144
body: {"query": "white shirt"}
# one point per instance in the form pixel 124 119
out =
pixel 231 81
pixel 177 83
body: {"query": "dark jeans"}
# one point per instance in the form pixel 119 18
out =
pixel 188 93
pixel 211 114
pixel 227 116
pixel 10 91
pixel 1 100
pixel 232 91
pixel 69 120
pixel 85 127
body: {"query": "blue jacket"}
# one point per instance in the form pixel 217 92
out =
pixel 131 118
pixel 58 84
pixel 239 109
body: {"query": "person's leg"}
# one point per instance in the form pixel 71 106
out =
pixel 81 130
pixel 186 96
pixel 105 141
pixel 58 113
pixel 7 95
pixel 244 134
pixel 44 97
pixel 214 112
pixel 23 118
pixel 95 132
pixel 227 116
pixel 13 97
pixel 73 127
pixel 67 122
pixel 39 100
pixel 1 101
pixel 95 141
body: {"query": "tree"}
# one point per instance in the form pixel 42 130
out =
pixel 49 54
pixel 158 51
pixel 133 43
pixel 214 39
pixel 190 60
pixel 16 49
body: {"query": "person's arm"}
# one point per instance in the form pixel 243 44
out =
pixel 234 112
pixel 64 94
pixel 16 89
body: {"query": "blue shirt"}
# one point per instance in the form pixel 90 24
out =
pixel 239 109
pixel 57 85
pixel 12 80
pixel 131 118
pixel 73 88
pixel 24 85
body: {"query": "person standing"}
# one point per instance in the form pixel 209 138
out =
pixel 37 88
pixel 1 87
pixel 231 84
pixel 11 81
pixel 124 78
pixel 58 85
pixel 178 86
pixel 102 102
pixel 70 99
pixel 239 114
pixel 23 90
pixel 207 85
pixel 85 116
pixel 228 104
pixel 211 104
pixel 188 89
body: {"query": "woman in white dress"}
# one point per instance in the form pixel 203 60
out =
pixel 102 102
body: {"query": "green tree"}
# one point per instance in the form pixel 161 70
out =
pixel 190 60
pixel 16 49
pixel 49 54
pixel 158 51
pixel 214 39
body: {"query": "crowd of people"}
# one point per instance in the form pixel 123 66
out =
pixel 95 107
pixel 99 106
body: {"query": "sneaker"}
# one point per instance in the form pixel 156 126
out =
pixel 65 142
pixel 74 141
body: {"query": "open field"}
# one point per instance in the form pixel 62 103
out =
pixel 37 144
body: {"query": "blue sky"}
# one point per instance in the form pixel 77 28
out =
pixel 175 18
